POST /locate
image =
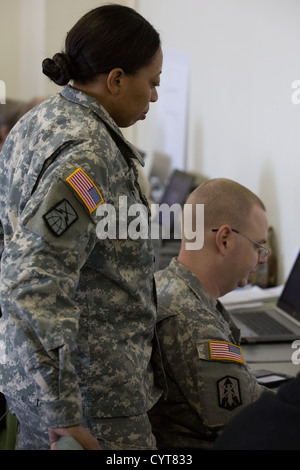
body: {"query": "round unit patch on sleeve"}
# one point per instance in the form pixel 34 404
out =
pixel 60 217
pixel 85 189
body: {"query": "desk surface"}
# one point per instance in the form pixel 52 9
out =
pixel 276 357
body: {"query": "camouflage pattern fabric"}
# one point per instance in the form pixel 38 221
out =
pixel 78 311
pixel 205 387
pixel 124 433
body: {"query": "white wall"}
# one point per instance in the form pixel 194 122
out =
pixel 32 47
pixel 10 46
pixel 30 31
pixel 242 124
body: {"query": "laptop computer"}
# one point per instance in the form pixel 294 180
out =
pixel 179 187
pixel 177 190
pixel 277 323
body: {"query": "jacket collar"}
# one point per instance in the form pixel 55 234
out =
pixel 77 96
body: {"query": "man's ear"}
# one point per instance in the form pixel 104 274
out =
pixel 114 80
pixel 222 238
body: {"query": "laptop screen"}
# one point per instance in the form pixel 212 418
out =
pixel 177 190
pixel 290 297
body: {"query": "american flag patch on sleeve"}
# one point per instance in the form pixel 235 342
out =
pixel 85 189
pixel 221 350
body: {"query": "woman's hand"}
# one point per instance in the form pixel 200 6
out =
pixel 79 432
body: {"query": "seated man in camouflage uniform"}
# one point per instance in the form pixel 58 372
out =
pixel 207 379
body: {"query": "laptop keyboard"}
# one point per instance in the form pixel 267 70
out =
pixel 262 323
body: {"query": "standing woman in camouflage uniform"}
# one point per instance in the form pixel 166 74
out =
pixel 78 307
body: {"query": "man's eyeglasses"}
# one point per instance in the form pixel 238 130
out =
pixel 262 250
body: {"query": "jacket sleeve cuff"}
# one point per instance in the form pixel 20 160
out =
pixel 62 413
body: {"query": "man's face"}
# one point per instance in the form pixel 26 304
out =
pixel 248 254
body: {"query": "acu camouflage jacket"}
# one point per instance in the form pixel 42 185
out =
pixel 78 311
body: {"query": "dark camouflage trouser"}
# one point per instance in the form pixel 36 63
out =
pixel 128 433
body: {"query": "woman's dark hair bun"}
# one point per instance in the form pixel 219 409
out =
pixel 108 37
pixel 58 69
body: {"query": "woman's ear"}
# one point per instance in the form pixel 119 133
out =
pixel 222 238
pixel 114 80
